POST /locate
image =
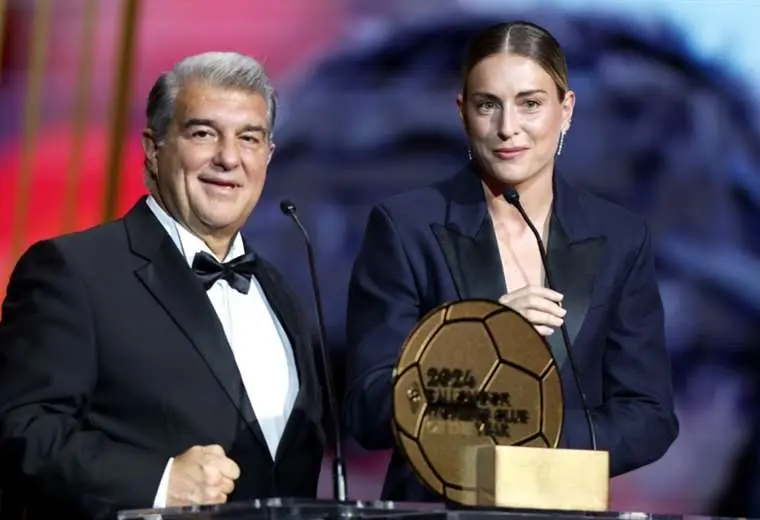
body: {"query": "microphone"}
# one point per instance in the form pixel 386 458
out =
pixel 338 468
pixel 512 197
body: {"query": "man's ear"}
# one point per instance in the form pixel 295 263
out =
pixel 150 150
pixel 271 152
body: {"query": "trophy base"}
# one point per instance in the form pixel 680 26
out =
pixel 540 478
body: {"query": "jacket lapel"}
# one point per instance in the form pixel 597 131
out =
pixel 167 277
pixel 473 261
pixel 573 254
pixel 468 243
pixel 284 306
pixel 573 266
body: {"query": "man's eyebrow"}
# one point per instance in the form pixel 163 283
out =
pixel 198 122
pixel 255 128
pixel 195 121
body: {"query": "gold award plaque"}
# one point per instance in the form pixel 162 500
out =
pixel 472 373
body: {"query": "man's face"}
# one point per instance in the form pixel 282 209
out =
pixel 210 169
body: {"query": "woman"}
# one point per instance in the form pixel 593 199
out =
pixel 460 238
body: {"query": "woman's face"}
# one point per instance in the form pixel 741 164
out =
pixel 513 117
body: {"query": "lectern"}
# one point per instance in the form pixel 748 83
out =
pixel 292 509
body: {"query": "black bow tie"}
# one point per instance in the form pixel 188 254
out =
pixel 236 272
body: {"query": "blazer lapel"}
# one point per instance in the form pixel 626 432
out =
pixel 167 277
pixel 573 267
pixel 468 242
pixel 284 306
pixel 573 255
pixel 473 261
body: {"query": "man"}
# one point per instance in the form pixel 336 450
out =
pixel 157 360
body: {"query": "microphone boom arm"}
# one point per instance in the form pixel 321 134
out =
pixel 340 486
pixel 513 198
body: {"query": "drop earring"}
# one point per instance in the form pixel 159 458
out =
pixel 469 154
pixel 562 138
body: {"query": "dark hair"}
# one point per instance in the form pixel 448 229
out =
pixel 524 39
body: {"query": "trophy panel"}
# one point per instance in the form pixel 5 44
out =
pixel 514 399
pixel 519 343
pixel 551 395
pixel 420 337
pixel 472 310
pixel 409 404
pixel 424 470
pixel 460 356
pixel 443 441
pixel 462 496
pixel 539 441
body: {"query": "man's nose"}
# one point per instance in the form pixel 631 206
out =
pixel 228 155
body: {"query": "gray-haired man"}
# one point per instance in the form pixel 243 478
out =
pixel 158 360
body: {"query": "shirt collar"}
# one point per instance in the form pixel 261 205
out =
pixel 188 243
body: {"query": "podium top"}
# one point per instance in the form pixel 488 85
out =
pixel 284 508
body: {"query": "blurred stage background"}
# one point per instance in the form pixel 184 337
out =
pixel 665 124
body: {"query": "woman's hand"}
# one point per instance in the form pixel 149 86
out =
pixel 539 305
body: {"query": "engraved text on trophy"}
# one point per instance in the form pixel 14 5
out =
pixel 457 407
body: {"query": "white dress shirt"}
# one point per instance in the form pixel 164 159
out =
pixel 261 347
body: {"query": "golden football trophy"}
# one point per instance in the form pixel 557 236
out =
pixel 478 411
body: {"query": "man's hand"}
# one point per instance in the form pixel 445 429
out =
pixel 201 475
pixel 538 305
